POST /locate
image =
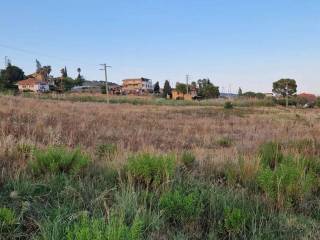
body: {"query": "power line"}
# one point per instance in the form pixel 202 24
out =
pixel 36 53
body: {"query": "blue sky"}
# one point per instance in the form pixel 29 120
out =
pixel 246 43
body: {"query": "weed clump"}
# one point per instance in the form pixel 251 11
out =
pixel 224 142
pixel 234 220
pixel 106 151
pixel 270 154
pixel 58 160
pixel 98 229
pixel 289 183
pixel 188 159
pixel 7 219
pixel 151 170
pixel 228 105
pixel 180 206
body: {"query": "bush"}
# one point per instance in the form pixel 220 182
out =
pixel 234 220
pixel 228 105
pixel 180 206
pixel 106 151
pixel 58 160
pixel 98 229
pixel 270 154
pixel 188 159
pixel 288 183
pixel 151 170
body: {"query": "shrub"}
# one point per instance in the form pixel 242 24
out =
pixel 224 142
pixel 288 183
pixel 234 220
pixel 98 229
pixel 188 159
pixel 7 216
pixel 228 105
pixel 106 151
pixel 151 169
pixel 270 154
pixel 180 206
pixel 58 159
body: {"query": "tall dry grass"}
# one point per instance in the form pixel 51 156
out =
pixel 133 128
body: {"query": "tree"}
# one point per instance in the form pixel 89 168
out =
pixel 181 88
pixel 249 94
pixel 38 66
pixel 156 88
pixel 80 79
pixel 285 87
pixel 10 76
pixel 79 71
pixel 207 89
pixel 167 89
pixel 240 92
pixel 64 72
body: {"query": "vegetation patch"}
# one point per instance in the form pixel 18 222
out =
pixel 181 206
pixel 151 170
pixel 58 160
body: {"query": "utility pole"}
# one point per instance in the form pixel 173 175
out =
pixel 187 80
pixel 5 62
pixel 106 78
pixel 287 99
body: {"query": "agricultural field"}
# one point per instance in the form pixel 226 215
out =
pixel 78 168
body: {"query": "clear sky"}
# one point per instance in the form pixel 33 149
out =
pixel 246 43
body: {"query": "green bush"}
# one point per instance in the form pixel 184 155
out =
pixel 151 170
pixel 289 183
pixel 106 151
pixel 180 206
pixel 228 105
pixel 270 154
pixel 188 159
pixel 98 229
pixel 58 160
pixel 234 220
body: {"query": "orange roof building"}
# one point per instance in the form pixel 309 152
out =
pixel 34 85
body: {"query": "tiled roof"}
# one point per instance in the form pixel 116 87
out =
pixel 29 81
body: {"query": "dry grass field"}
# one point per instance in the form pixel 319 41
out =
pixel 133 128
pixel 223 145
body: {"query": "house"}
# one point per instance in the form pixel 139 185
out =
pixel 33 85
pixel 192 94
pixel 114 88
pixel 137 86
pixel 180 96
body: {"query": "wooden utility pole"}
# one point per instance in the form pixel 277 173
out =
pixel 187 81
pixel 106 78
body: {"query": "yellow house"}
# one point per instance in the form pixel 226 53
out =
pixel 180 96
pixel 137 85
